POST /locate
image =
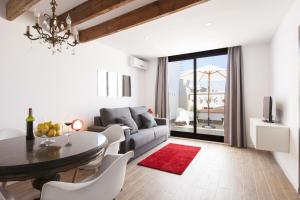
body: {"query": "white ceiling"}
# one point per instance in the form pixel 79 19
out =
pixel 233 22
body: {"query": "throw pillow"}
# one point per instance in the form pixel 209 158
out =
pixel 109 115
pixel 135 112
pixel 128 122
pixel 148 120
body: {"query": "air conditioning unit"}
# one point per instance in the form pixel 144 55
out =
pixel 138 63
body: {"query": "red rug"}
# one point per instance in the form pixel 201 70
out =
pixel 173 158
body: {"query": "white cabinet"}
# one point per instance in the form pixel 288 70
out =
pixel 269 136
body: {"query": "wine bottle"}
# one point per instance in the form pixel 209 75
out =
pixel 29 125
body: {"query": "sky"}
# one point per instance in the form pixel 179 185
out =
pixel 219 61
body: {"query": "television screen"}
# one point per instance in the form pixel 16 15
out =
pixel 267 109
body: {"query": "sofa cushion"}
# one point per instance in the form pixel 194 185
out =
pixel 141 138
pixel 135 112
pixel 128 122
pixel 147 120
pixel 161 131
pixel 110 115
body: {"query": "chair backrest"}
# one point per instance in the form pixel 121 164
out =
pixel 104 187
pixel 109 184
pixel 10 133
pixel 114 135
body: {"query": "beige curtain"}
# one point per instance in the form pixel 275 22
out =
pixel 161 89
pixel 234 130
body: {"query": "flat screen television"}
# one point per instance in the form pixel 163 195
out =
pixel 267 112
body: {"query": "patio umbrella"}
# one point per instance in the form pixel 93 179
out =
pixel 208 73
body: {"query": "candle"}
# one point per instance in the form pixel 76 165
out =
pixel 68 20
pixel 37 16
pixel 37 20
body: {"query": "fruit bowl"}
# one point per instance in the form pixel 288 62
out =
pixel 48 131
pixel 47 140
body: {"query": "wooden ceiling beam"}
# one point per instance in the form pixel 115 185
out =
pixel 91 9
pixel 136 17
pixel 15 8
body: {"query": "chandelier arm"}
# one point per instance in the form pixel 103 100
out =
pixel 43 35
pixel 60 38
pixel 39 30
pixel 72 45
pixel 47 16
pixel 31 37
pixel 67 35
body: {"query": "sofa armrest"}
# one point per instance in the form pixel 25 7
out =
pixel 97 129
pixel 125 145
pixel 161 121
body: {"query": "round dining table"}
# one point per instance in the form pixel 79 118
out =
pixel 21 160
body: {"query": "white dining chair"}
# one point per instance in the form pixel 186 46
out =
pixel 2 196
pixel 5 195
pixel 9 133
pixel 106 186
pixel 114 135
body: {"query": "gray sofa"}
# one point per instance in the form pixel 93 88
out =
pixel 140 140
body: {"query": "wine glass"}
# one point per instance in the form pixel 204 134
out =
pixel 68 133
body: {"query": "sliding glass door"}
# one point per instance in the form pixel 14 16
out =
pixel 197 94
pixel 181 95
pixel 211 82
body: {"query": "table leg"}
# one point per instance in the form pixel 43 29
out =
pixel 39 182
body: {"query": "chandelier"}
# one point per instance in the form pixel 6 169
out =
pixel 52 32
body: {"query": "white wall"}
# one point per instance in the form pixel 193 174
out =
pixel 58 87
pixel 256 58
pixel 285 87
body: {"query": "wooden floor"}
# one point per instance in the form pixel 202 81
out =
pixel 217 172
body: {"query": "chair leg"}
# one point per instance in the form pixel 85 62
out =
pixel 6 194
pixel 75 175
pixel 4 184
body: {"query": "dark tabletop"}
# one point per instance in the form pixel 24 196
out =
pixel 21 159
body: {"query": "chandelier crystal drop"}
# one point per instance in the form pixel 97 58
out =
pixel 52 32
